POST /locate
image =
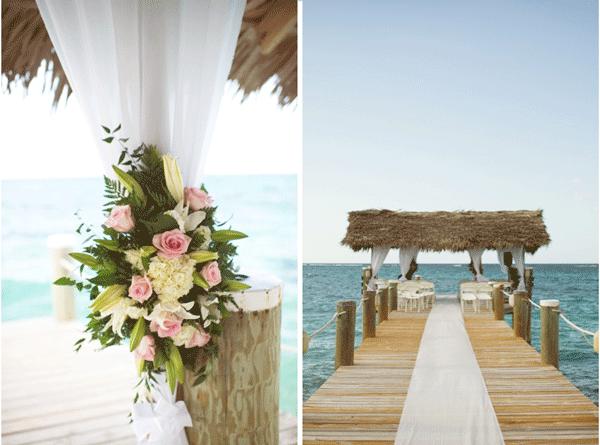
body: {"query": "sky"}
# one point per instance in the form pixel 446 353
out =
pixel 426 106
pixel 266 140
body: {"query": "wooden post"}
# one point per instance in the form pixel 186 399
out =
pixel 344 334
pixel 549 332
pixel 366 277
pixel 393 293
pixel 63 297
pixel 529 287
pixel 368 329
pixel 239 400
pixel 520 315
pixel 382 293
pixel 498 298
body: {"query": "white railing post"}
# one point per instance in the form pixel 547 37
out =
pixel 63 297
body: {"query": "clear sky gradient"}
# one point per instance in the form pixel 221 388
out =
pixel 426 106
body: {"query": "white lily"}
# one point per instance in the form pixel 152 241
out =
pixel 187 221
pixel 173 177
pixel 178 309
pixel 123 308
pixel 210 310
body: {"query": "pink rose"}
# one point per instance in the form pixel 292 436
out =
pixel 120 219
pixel 197 199
pixel 199 338
pixel 168 325
pixel 171 244
pixel 140 289
pixel 146 349
pixel 211 273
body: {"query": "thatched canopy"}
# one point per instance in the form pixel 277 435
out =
pixel 438 231
pixel 267 47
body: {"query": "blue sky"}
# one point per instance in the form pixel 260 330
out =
pixel 426 106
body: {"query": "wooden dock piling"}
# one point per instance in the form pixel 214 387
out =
pixel 498 299
pixel 393 293
pixel 368 328
pixel 344 333
pixel 366 276
pixel 382 296
pixel 549 332
pixel 520 312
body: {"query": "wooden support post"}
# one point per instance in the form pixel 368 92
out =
pixel 520 315
pixel 368 329
pixel 549 332
pixel 344 333
pixel 382 294
pixel 529 287
pixel 498 299
pixel 366 276
pixel 393 293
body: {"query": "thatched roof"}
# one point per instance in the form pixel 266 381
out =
pixel 438 231
pixel 267 47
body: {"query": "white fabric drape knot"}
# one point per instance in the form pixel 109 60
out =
pixel 476 253
pixel 407 254
pixel 378 254
pixel 158 68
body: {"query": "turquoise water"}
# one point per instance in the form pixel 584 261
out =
pixel 262 206
pixel 575 285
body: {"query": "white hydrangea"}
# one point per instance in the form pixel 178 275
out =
pixel 171 277
pixel 186 333
pixel 205 231
pixel 134 257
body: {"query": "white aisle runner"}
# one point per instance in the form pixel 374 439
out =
pixel 447 401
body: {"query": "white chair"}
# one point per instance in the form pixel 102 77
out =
pixel 485 298
pixel 414 298
pixel 468 297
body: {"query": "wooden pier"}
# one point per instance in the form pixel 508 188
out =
pixel 362 404
pixel 52 395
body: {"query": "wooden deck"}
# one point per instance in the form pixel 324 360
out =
pixel 52 395
pixel 362 404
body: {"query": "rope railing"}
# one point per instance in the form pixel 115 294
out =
pixel 336 315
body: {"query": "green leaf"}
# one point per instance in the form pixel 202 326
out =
pixel 235 285
pixel 108 139
pixel 201 256
pixel 130 184
pixel 124 139
pixel 105 128
pixel 199 281
pixel 148 250
pixel 117 129
pixel 146 263
pixel 108 244
pixel 171 379
pixel 138 332
pixel 64 281
pixel 122 157
pixel 161 223
pixel 86 259
pixel 109 296
pixel 227 235
pixel 104 279
pixel 177 363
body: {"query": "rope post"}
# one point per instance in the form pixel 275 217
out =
pixel 63 297
pixel 498 299
pixel 344 333
pixel 368 328
pixel 382 294
pixel 393 294
pixel 549 332
pixel 529 286
pixel 520 315
pixel 366 276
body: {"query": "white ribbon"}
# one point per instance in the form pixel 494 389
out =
pixel 162 422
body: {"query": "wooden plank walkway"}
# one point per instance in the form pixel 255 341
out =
pixel 362 404
pixel 52 395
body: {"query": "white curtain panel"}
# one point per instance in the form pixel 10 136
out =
pixel 406 256
pixel 157 67
pixel 476 253
pixel 518 253
pixel 378 254
pixel 503 268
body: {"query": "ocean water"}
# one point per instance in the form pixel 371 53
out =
pixel 575 285
pixel 262 206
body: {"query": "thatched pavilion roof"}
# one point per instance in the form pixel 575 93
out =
pixel 267 47
pixel 438 231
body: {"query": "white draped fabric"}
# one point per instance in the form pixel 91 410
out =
pixel 158 68
pixel 518 253
pixel 378 254
pixel 447 401
pixel 503 267
pixel 476 253
pixel 407 254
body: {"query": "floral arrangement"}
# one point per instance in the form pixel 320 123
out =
pixel 163 272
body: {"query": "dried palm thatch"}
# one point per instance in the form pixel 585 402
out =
pixel 267 47
pixel 438 231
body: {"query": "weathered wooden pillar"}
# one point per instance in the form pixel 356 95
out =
pixel 368 328
pixel 529 287
pixel 366 276
pixel 498 299
pixel 520 315
pixel 238 403
pixel 382 294
pixel 344 333
pixel 549 332
pixel 393 294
